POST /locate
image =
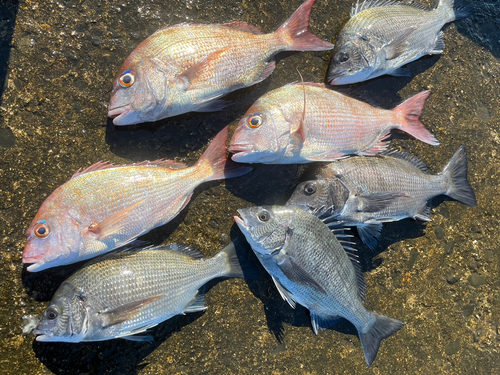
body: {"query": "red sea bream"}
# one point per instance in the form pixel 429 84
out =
pixel 107 206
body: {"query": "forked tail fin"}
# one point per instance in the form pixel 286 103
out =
pixel 456 175
pixel 411 110
pixel 295 30
pixel 382 328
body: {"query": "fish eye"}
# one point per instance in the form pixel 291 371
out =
pixel 51 314
pixel 264 216
pixel 255 120
pixel 127 79
pixel 310 189
pixel 42 230
pixel 342 57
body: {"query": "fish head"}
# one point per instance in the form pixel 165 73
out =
pixel 318 196
pixel 50 238
pixel 139 91
pixel 262 135
pixel 352 61
pixel 66 317
pixel 263 228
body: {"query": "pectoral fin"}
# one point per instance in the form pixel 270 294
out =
pixel 125 312
pixel 197 76
pixel 114 223
pixel 378 201
pixel 284 293
pixel 296 273
pixel 398 45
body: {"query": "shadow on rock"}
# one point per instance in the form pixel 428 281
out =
pixel 118 356
pixel 180 135
pixel 266 184
pixel 483 27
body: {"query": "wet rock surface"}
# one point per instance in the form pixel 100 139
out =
pixel 63 58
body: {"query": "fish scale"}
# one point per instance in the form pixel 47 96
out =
pixel 366 192
pixel 106 206
pixel 306 122
pixel 126 293
pixel 309 266
pixel 382 36
pixel 186 67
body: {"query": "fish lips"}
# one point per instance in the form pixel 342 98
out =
pixel 118 114
pixel 239 151
pixel 242 222
pixel 36 262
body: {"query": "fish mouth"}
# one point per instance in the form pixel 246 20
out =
pixel 118 113
pixel 240 148
pixel 335 78
pixel 241 221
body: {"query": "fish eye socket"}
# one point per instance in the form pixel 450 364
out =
pixel 127 80
pixel 41 230
pixel 264 216
pixel 52 314
pixel 342 57
pixel 255 121
pixel 310 189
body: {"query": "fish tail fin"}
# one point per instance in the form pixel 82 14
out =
pixel 455 173
pixel 382 328
pixel 296 33
pixel 454 9
pixel 215 159
pixel 237 265
pixel 411 110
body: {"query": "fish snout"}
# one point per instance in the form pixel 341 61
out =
pixel 117 114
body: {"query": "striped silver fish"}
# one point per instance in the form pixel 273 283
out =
pixel 309 266
pixel 382 36
pixel 124 294
pixel 366 192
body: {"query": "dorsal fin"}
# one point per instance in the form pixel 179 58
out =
pixel 403 155
pixel 312 84
pixel 243 26
pixel 367 4
pixel 338 231
pixel 182 248
pixel 99 166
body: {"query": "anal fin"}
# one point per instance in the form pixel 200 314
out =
pixel 439 46
pixel 197 304
pixel 320 322
pixel 284 293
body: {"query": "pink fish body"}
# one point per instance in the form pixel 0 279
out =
pixel 186 67
pixel 108 206
pixel 306 122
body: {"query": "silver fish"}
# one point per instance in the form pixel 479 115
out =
pixel 383 35
pixel 310 267
pixel 366 192
pixel 127 293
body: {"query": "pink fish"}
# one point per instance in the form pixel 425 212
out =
pixel 107 206
pixel 186 67
pixel 306 122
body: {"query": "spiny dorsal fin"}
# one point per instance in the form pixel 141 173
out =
pixel 312 84
pixel 161 163
pixel 360 278
pixel 182 248
pixel 367 4
pixel 403 155
pixel 243 26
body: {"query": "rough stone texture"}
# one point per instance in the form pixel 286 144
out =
pixel 53 121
